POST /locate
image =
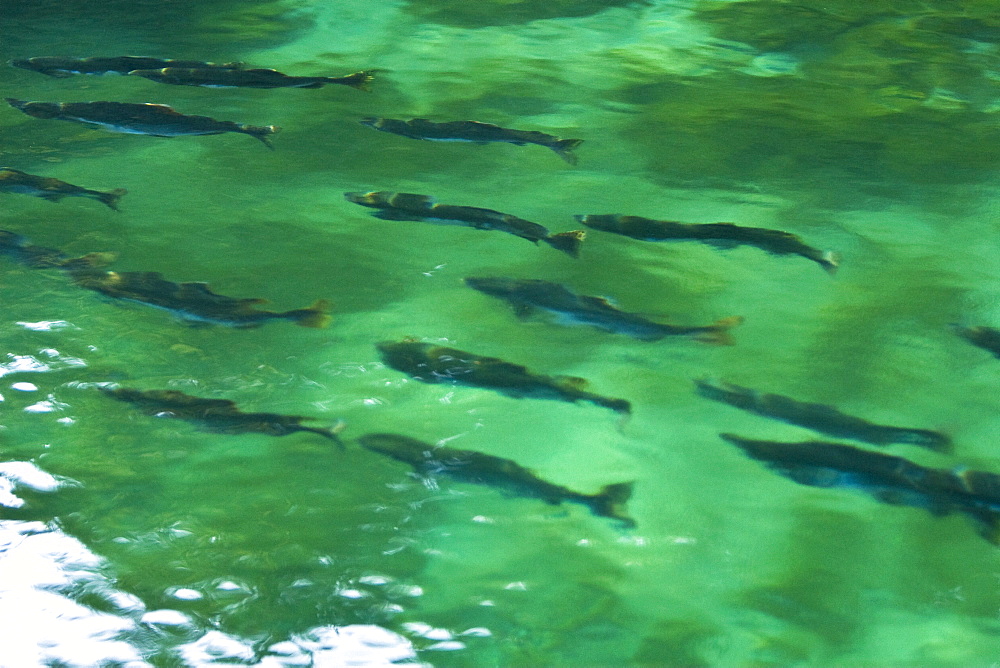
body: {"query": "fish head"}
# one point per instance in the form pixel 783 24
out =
pixel 372 198
pixel 402 448
pixel 50 65
pixel 371 121
pixel 608 222
pixel 36 109
pixel 149 74
pixel 393 350
pixel 88 266
pixel 493 285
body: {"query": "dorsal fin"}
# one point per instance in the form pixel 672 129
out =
pixel 165 108
pixel 599 302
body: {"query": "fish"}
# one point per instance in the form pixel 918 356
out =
pixel 410 206
pixel 56 66
pixel 194 302
pixel 724 235
pixel 16 181
pixel 819 417
pixel 887 478
pixel 191 301
pixel 18 248
pixel 430 363
pixel 475 132
pixel 217 415
pixel 214 77
pixel 157 120
pixel 526 295
pixel 981 336
pixel 504 474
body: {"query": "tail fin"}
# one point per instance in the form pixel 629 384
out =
pixel 332 433
pixel 830 260
pixel 718 332
pixel 261 132
pixel 567 242
pixel 359 80
pixel 611 500
pixel 316 316
pixel 111 198
pixel 564 147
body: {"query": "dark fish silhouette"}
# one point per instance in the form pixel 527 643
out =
pixel 16 181
pixel 157 120
pixel 475 132
pixel 218 415
pixel 409 206
pixel 19 249
pixel 505 474
pixel 819 417
pixel 214 77
pixel 987 338
pixel 56 66
pixel 191 301
pixel 888 478
pixel 723 235
pixel 528 294
pixel 431 363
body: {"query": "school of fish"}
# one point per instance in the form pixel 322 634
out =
pixel 886 478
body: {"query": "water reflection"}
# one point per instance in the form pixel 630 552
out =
pixel 46 325
pixel 48 359
pixel 46 627
pixel 352 645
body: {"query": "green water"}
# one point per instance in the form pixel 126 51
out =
pixel 867 130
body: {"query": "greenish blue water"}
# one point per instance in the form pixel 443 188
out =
pixel 867 130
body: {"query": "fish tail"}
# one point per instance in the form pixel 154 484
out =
pixel 332 433
pixel 830 260
pixel 611 500
pixel 567 242
pixel 359 80
pixel 261 132
pixel 111 198
pixel 564 148
pixel 316 316
pixel 718 332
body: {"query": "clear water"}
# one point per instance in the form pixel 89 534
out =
pixel 127 540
